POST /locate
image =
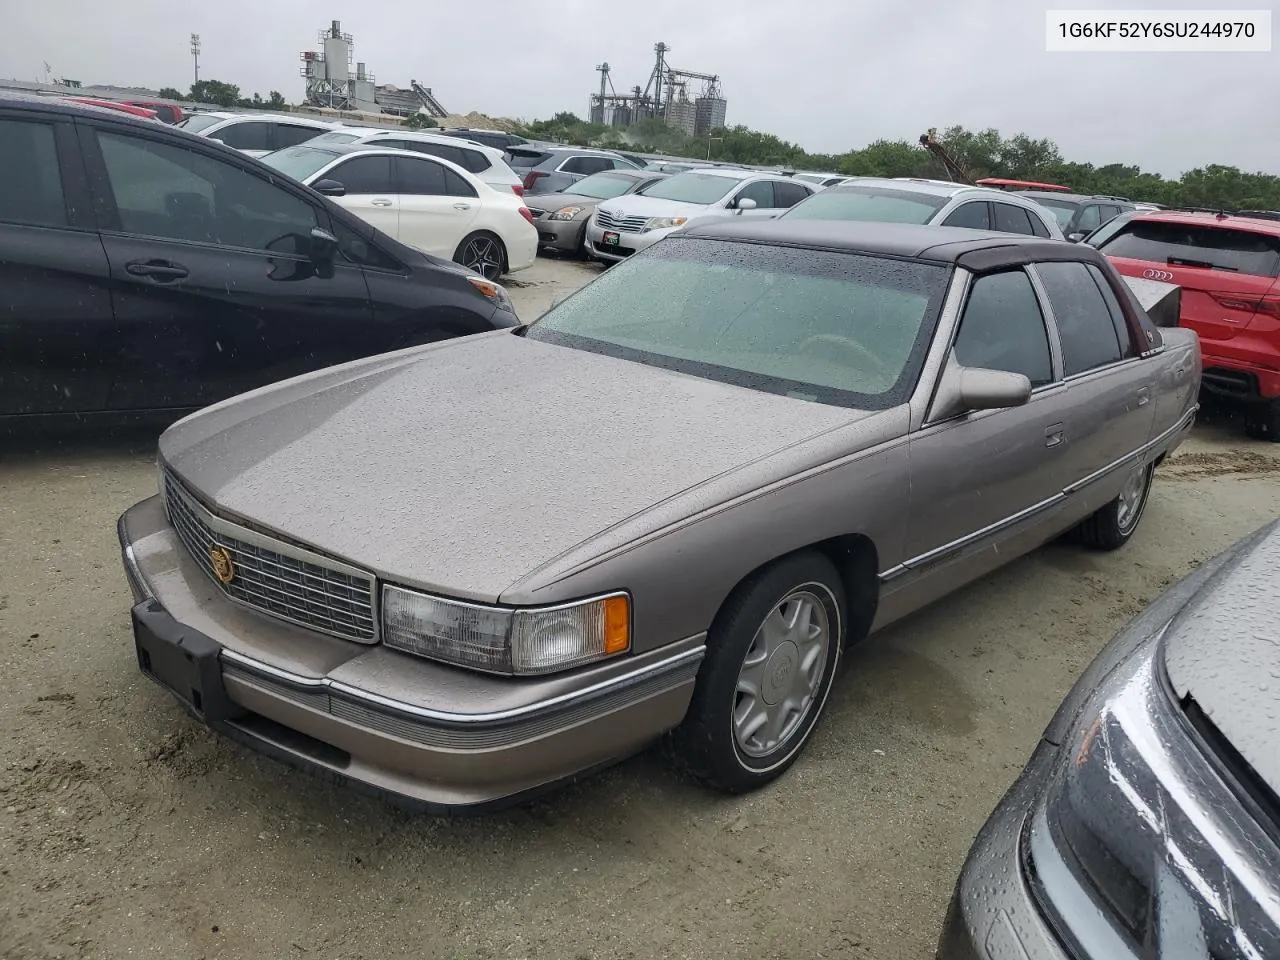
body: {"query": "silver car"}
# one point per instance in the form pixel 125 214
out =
pixel 561 218
pixel 464 572
pixel 636 222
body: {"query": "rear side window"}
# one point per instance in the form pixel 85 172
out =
pixel 1011 219
pixel 972 215
pixel 427 178
pixel 1090 219
pixel 1003 329
pixel 1236 251
pixel 1085 323
pixel 291 134
pixel 32 190
pixel 1038 227
pixel 248 135
pixel 1113 307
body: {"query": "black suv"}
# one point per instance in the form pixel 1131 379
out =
pixel 146 269
pixel 1079 215
pixel 498 139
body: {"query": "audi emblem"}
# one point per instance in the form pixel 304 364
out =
pixel 1164 275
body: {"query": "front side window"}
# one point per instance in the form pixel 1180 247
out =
pixel 972 215
pixel 868 204
pixel 1003 329
pixel 1063 210
pixel 837 328
pixel 162 190
pixel 246 135
pixel 32 188
pixel 761 192
pixel 1085 326
pixel 1090 218
pixel 363 175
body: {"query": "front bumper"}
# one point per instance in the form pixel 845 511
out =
pixel 425 735
pixel 563 236
pixel 628 243
pixel 992 915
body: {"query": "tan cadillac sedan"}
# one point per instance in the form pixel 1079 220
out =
pixel 461 573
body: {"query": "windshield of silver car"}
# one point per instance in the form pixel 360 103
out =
pixel 692 187
pixel 868 203
pixel 602 186
pixel 838 328
pixel 299 162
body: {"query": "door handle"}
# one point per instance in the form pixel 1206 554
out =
pixel 161 271
pixel 1054 435
pixel 380 202
pixel 462 206
pixel 1144 396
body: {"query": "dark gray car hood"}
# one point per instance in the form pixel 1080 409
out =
pixel 1224 651
pixel 463 466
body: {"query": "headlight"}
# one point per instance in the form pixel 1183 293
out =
pixel 494 291
pixel 664 223
pixel 505 640
pixel 1135 826
pixel 566 213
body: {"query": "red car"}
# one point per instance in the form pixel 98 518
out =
pixel 142 113
pixel 1227 267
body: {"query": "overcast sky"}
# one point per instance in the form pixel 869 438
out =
pixel 830 75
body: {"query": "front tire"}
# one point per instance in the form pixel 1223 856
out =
pixel 772 654
pixel 483 253
pixel 1114 524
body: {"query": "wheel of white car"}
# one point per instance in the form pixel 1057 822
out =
pixel 772 654
pixel 1114 524
pixel 484 253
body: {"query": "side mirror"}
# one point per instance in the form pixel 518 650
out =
pixel 968 389
pixel 324 245
pixel 746 203
pixel 330 188
pixel 1076 237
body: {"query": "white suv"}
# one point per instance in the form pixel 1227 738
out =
pixel 256 134
pixel 487 163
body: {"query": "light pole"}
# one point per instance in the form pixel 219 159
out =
pixel 711 140
pixel 195 54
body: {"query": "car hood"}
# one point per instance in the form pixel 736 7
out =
pixel 638 205
pixel 464 466
pixel 554 201
pixel 1223 651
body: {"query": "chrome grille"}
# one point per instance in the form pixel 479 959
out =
pixel 620 224
pixel 281 579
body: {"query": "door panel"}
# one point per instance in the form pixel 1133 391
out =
pixel 437 207
pixel 212 291
pixel 371 192
pixel 378 210
pixel 55 299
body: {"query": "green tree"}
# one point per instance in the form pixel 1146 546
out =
pixel 170 93
pixel 215 91
pixel 420 121
pixel 276 100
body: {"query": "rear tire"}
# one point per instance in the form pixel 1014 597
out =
pixel 1114 524
pixel 1262 420
pixel 772 655
pixel 483 253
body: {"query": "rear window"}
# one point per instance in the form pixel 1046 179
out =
pixel 525 159
pixel 1064 210
pixel 870 204
pixel 1192 245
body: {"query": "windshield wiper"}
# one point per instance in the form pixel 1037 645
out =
pixel 1186 262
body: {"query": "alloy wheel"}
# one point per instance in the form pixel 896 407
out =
pixel 483 255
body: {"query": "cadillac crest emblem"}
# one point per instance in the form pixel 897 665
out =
pixel 223 568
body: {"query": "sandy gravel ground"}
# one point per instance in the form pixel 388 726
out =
pixel 126 830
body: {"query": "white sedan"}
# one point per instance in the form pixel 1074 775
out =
pixel 426 202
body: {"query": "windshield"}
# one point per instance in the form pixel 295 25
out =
pixel 868 203
pixel 602 186
pixel 336 136
pixel 1191 245
pixel 299 162
pixel 199 121
pixel 837 328
pixel 692 188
